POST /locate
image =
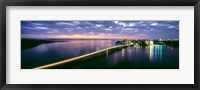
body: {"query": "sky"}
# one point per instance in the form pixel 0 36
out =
pixel 100 29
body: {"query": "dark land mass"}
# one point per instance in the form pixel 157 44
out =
pixel 168 43
pixel 30 43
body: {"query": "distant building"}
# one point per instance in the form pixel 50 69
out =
pixel 126 41
pixel 160 39
pixel 147 42
pixel 136 44
pixel 151 42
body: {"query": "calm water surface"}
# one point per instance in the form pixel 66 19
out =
pixel 149 57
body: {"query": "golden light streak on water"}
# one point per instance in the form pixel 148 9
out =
pixel 76 58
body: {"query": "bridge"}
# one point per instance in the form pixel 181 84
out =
pixel 80 57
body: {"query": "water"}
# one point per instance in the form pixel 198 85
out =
pixel 132 57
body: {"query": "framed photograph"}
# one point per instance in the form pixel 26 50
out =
pixel 87 44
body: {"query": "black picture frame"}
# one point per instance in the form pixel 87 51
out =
pixel 3 45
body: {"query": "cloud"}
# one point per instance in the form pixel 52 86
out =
pixel 98 25
pixel 68 28
pixel 76 22
pixel 116 22
pixel 91 33
pixel 26 27
pixel 89 23
pixel 154 24
pixel 151 29
pixel 50 32
pixel 102 28
pixel 171 27
pixel 65 23
pixel 132 24
pixel 146 31
pixel 55 30
pixel 142 25
pixel 41 27
pixel 78 27
pixel 118 27
pixel 159 24
pixel 142 35
pixel 141 22
pixel 37 24
pixel 126 24
pixel 123 24
pixel 136 30
pixel 86 27
pixel 102 34
pixel 108 29
pixel 129 29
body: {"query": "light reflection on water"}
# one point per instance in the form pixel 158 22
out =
pixel 53 52
pixel 155 52
pixel 137 57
